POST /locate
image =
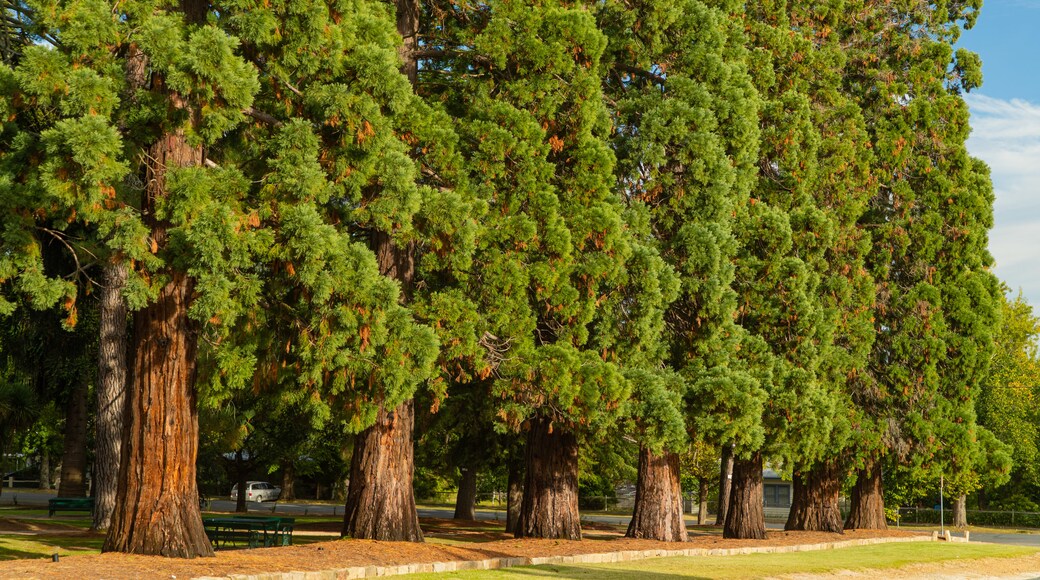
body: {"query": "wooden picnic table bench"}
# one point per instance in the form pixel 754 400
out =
pixel 69 504
pixel 253 530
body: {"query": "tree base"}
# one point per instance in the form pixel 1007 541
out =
pixel 658 511
pixel 868 503
pixel 815 507
pixel 745 518
pixel 550 505
pixel 380 500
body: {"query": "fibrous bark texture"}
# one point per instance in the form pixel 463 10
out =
pixel 745 518
pixel 157 507
pixel 550 505
pixel 814 505
pixel 466 499
pixel 725 483
pixel 380 500
pixel 74 456
pixel 867 511
pixel 111 393
pixel 658 513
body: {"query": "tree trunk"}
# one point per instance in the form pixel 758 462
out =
pixel 868 504
pixel 288 482
pixel 745 518
pixel 380 500
pixel 74 455
pixel 814 505
pixel 702 503
pixel 658 513
pixel 45 468
pixel 241 473
pixel 550 505
pixel 514 494
pixel 960 512
pixel 157 504
pixel 466 499
pixel 725 483
pixel 111 393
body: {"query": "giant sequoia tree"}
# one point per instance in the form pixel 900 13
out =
pixel 906 78
pixel 524 82
pixel 217 217
pixel 685 140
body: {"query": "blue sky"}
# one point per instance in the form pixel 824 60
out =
pixel 1006 134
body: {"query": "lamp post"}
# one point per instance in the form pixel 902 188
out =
pixel 942 519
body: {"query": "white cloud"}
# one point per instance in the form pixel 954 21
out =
pixel 1006 135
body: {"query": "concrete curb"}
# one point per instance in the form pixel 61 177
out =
pixel 357 572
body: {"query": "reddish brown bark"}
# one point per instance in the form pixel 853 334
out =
pixel 658 513
pixel 745 518
pixel 725 483
pixel 550 505
pixel 466 499
pixel 74 455
pixel 380 501
pixel 867 511
pixel 111 394
pixel 157 507
pixel 814 505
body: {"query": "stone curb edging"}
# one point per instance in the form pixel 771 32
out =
pixel 358 572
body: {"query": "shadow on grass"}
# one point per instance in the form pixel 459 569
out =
pixel 41 546
pixel 12 554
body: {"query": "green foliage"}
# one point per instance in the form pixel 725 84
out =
pixel 1007 399
pixel 685 142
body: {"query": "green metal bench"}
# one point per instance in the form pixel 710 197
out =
pixel 254 531
pixel 69 504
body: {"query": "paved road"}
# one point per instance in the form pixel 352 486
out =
pixel 35 498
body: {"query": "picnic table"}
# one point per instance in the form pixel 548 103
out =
pixel 256 531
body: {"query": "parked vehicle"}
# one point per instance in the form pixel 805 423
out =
pixel 258 491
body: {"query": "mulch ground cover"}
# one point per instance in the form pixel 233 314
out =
pixel 465 541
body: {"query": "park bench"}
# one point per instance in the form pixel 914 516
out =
pixel 69 504
pixel 254 531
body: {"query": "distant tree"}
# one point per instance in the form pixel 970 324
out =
pixel 1007 401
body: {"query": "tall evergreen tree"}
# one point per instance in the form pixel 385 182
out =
pixel 524 82
pixel 906 79
pixel 685 138
pixel 227 225
pixel 835 248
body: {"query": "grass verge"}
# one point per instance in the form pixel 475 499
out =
pixel 879 557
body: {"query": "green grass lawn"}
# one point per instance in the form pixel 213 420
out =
pixel 753 565
pixel 45 545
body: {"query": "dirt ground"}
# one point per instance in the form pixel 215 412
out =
pixel 476 540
